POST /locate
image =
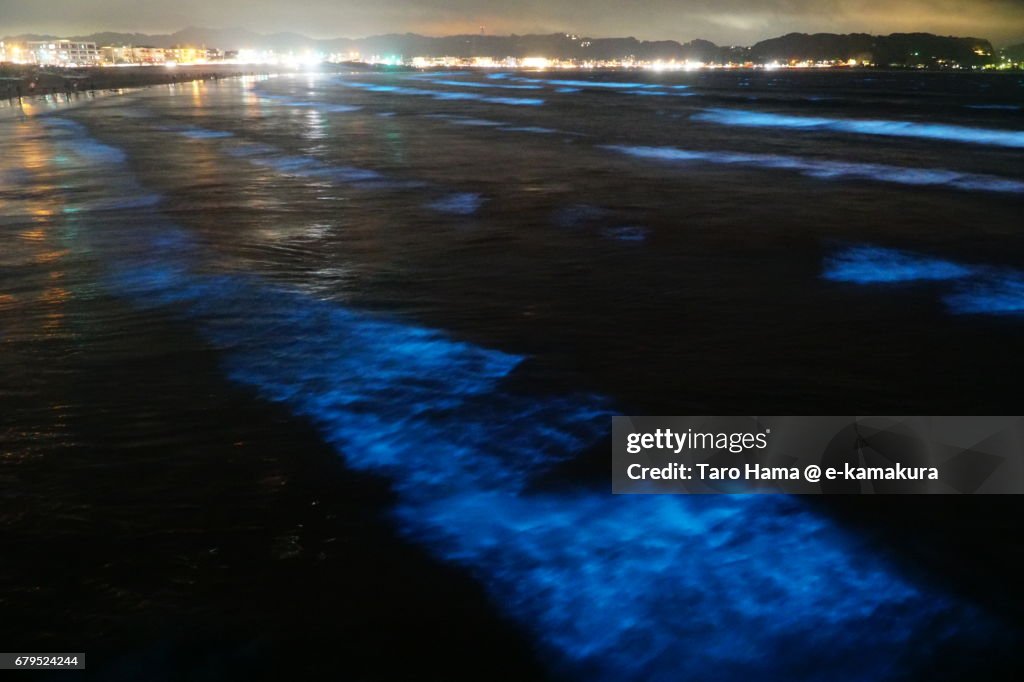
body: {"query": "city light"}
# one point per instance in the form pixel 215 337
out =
pixel 68 53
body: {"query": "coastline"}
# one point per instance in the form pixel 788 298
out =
pixel 28 81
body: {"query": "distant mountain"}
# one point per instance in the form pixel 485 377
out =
pixel 907 49
pixel 557 45
pixel 898 48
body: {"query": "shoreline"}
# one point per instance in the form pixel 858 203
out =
pixel 32 81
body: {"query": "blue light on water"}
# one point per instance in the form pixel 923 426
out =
pixel 460 203
pixel 477 84
pixel 930 131
pixel 308 167
pixel 626 233
pixel 994 107
pixel 656 588
pixel 76 136
pixel 823 169
pixel 998 293
pixel 466 120
pixel 874 265
pixel 515 101
pixel 441 94
pixel 385 393
pixel 974 289
pixel 309 104
pixel 197 133
pixel 605 84
pixel 529 129
pixel 674 588
pixel 485 123
pixel 661 93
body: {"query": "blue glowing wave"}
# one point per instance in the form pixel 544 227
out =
pixel 197 133
pixel 660 93
pixel 485 123
pixel 646 587
pixel 622 588
pixel 456 203
pixel 875 265
pixel 304 166
pixel 460 203
pixel 627 233
pixel 76 137
pixel 823 169
pixel 994 107
pixel 611 85
pixel 975 289
pixel 386 394
pixel 308 167
pixel 539 130
pixel 677 588
pixel 465 120
pixel 928 131
pixel 1000 293
pixel 477 84
pixel 442 94
pixel 571 86
pixel 307 104
pixel 607 85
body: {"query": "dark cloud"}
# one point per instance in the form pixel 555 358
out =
pixel 724 21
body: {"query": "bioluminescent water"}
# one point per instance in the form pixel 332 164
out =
pixel 466 121
pixel 997 294
pixel 540 130
pixel 626 233
pixel 973 289
pixel 442 94
pixel 476 84
pixel 308 104
pixel 434 297
pixel 827 169
pixel 874 265
pixel 994 107
pixel 463 203
pixel 912 129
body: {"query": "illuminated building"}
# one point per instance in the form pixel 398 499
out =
pixel 185 55
pixel 63 53
pixel 148 55
pixel 111 54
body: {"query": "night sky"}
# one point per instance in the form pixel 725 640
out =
pixel 722 21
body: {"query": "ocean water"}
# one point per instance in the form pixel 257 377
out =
pixel 328 360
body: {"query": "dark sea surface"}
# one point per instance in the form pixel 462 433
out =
pixel 311 376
